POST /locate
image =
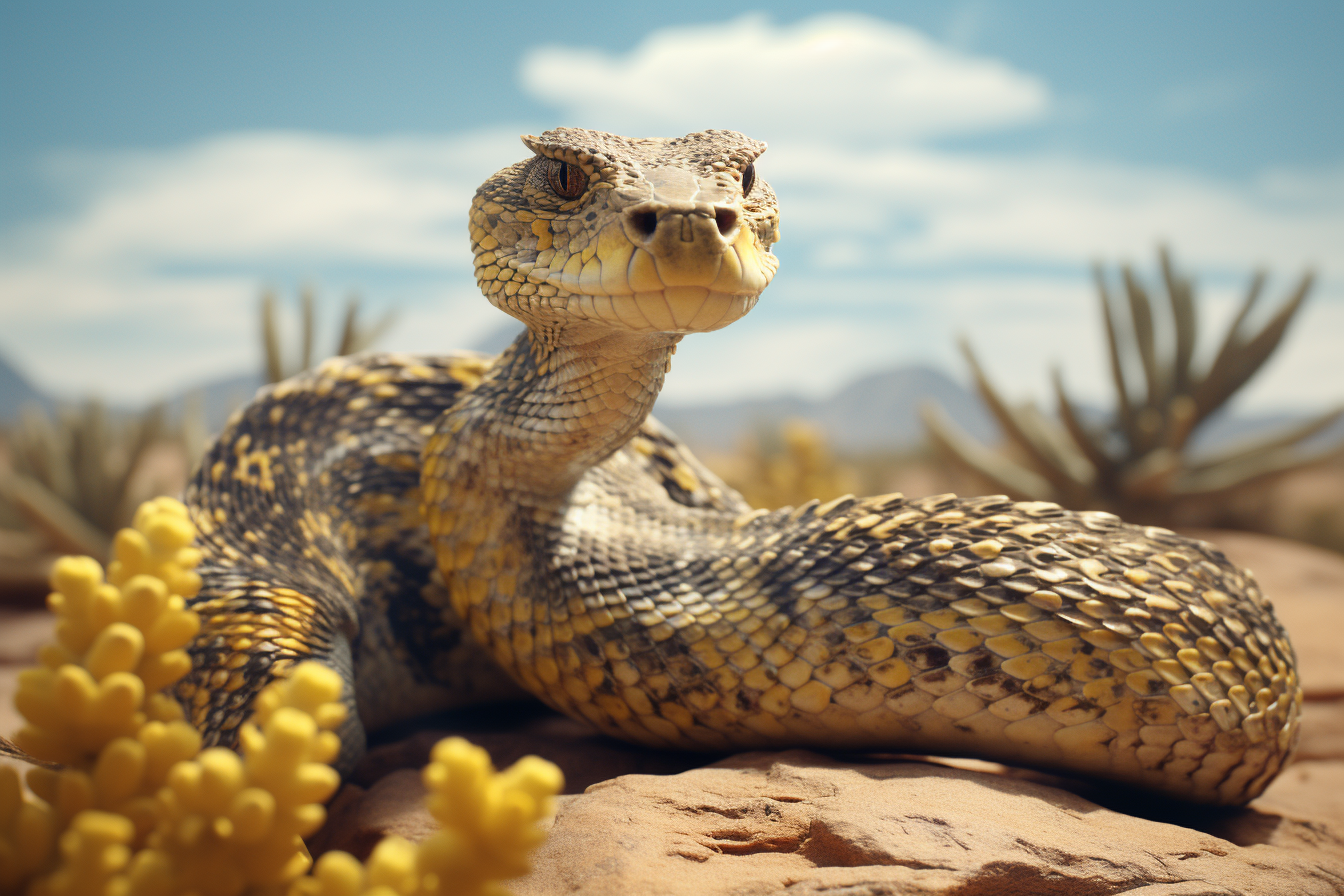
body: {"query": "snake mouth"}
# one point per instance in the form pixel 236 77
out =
pixel 676 309
pixel 670 286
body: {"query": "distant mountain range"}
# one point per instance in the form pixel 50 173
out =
pixel 874 413
pixel 16 391
pixel 878 412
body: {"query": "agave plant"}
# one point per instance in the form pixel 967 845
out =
pixel 69 481
pixel 1138 463
pixel 355 336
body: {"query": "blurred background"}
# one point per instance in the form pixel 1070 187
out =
pixel 976 170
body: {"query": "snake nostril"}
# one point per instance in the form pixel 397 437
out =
pixel 726 218
pixel 644 223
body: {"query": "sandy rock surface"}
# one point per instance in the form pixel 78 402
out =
pixel 801 823
pixel 642 822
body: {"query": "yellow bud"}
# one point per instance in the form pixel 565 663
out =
pixel 143 598
pixel 392 865
pixel 252 812
pixel 173 629
pixel 288 733
pixel 117 649
pixel 104 608
pixel 221 778
pixel 168 533
pixel 75 632
pixel 308 818
pixel 54 655
pixel 339 874
pixel 311 685
pixel 74 793
pixel 75 691
pixel 144 812
pixel 118 772
pixel 76 577
pixel 313 783
pixel 166 744
pixel 131 550
pixel 119 696
pixel 458 754
pixel 163 708
pixel 150 874
pixel 158 671
pixel 185 582
pixel 535 776
pixel 35 836
pixel 185 778
pixel 330 715
pixel 36 698
pixel 327 747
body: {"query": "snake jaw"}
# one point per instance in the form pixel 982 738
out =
pixel 663 240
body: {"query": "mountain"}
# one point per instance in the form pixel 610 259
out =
pixel 878 412
pixel 16 391
pixel 217 398
pixel 875 413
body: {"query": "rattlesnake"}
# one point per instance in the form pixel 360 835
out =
pixel 422 523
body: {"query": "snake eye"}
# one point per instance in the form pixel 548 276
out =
pixel 568 181
pixel 748 178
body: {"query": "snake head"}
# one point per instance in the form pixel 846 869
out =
pixel 643 235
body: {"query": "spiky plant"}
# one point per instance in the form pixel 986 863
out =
pixel 71 477
pixel 1138 463
pixel 355 336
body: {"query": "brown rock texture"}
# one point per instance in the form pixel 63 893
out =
pixel 800 823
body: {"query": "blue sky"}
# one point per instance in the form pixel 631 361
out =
pixel 942 168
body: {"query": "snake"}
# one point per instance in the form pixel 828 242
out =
pixel 453 530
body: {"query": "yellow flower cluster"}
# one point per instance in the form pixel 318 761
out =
pixel 138 809
pixel 118 643
pixel 27 833
pixel 232 824
pixel 490 824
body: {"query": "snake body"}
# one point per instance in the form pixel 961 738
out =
pixel 421 523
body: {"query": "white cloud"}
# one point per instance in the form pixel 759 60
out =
pixel 891 245
pixel 849 76
pixel 281 195
pixel 178 241
pixel 892 237
pixel 962 208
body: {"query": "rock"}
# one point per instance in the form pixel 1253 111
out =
pixel 1322 730
pixel 357 818
pixel 802 823
pixel 1307 789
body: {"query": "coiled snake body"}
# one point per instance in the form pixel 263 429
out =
pixel 419 523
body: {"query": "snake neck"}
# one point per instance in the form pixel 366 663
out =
pixel 506 456
pixel 553 405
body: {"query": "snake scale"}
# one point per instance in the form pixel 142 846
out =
pixel 420 524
